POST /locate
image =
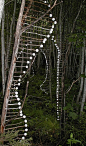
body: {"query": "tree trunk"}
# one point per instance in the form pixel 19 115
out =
pixel 10 38
pixel 82 71
pixel 1 9
pixel 50 72
pixel 84 91
pixel 3 54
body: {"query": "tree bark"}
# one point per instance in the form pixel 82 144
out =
pixel 82 71
pixel 84 92
pixel 10 38
pixel 50 72
pixel 3 53
pixel 1 9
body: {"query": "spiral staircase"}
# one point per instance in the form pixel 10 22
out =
pixel 37 27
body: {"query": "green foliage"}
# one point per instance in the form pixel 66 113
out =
pixel 75 123
pixel 84 107
pixel 72 140
pixel 42 123
pixel 68 107
pixel 40 111
pixel 77 128
pixel 77 38
pixel 19 1
pixel 10 139
pixel 83 75
pixel 73 115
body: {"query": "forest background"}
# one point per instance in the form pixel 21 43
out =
pixel 40 108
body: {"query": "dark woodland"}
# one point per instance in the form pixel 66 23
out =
pixel 43 73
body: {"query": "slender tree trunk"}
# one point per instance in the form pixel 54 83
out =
pixel 38 61
pixel 82 71
pixel 84 91
pixel 50 72
pixel 3 54
pixel 62 78
pixel 1 9
pixel 10 38
pixel 54 55
pixel 7 42
pixel 60 26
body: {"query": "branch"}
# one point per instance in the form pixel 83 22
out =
pixel 29 6
pixel 8 2
pixel 25 28
pixel 25 96
pixel 67 91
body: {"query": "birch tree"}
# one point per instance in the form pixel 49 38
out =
pixel 3 54
pixel 84 91
pixel 1 9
